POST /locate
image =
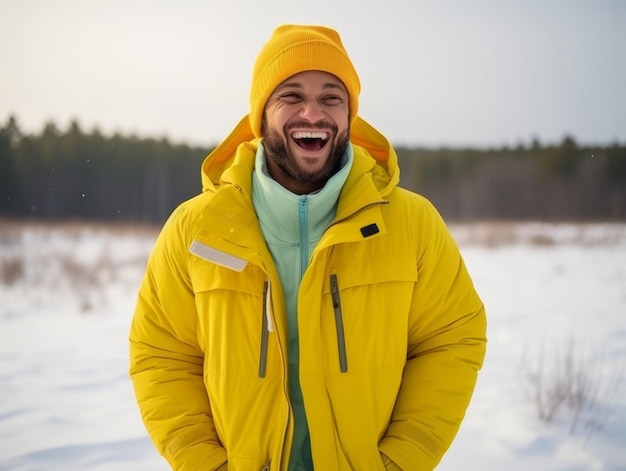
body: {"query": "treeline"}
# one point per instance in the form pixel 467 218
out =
pixel 564 181
pixel 74 174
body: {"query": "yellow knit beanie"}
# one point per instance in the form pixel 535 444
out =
pixel 293 49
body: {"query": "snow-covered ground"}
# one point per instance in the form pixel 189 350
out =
pixel 556 301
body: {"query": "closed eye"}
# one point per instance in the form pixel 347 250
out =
pixel 332 100
pixel 290 97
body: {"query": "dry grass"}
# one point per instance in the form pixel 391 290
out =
pixel 10 229
pixel 15 265
pixel 538 234
pixel 30 257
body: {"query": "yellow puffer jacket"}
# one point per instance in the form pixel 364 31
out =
pixel 392 332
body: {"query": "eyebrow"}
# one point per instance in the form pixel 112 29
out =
pixel 327 85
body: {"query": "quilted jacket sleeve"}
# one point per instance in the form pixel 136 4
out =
pixel 447 340
pixel 166 361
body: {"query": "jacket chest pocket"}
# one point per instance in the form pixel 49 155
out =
pixel 365 310
pixel 233 318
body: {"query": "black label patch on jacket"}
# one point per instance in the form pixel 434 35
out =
pixel 369 230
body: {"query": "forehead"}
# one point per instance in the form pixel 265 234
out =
pixel 313 78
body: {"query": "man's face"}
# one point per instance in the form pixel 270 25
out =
pixel 306 130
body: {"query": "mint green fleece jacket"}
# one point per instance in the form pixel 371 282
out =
pixel 292 225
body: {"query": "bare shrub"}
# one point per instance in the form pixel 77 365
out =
pixel 88 279
pixel 567 383
pixel 76 273
pixel 11 269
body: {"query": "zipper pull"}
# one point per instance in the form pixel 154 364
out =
pixel 268 308
pixel 267 465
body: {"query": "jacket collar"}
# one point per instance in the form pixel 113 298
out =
pixel 241 140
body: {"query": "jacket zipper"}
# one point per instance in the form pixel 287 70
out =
pixel 303 216
pixel 341 338
pixel 266 467
pixel 264 333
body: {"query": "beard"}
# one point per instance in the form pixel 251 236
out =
pixel 277 149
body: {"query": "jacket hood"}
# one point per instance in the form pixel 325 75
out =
pixel 364 137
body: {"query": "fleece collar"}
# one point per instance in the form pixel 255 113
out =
pixel 278 208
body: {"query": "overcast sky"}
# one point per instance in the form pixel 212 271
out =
pixel 453 72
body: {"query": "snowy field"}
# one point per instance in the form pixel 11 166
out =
pixel 552 394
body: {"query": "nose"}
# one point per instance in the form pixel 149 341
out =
pixel 312 111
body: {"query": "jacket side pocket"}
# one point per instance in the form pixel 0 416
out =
pixel 264 333
pixel 341 338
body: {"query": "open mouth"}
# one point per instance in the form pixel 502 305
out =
pixel 310 140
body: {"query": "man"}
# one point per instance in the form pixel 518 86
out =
pixel 304 312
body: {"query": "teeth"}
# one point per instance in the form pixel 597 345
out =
pixel 310 135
